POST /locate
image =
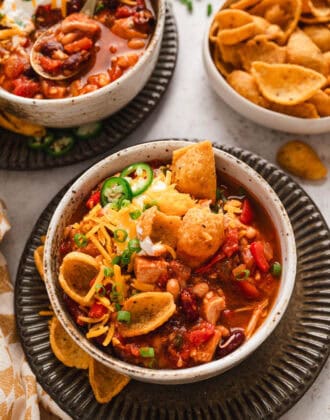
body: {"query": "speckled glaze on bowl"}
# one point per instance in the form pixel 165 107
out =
pixel 69 112
pixel 250 110
pixel 162 150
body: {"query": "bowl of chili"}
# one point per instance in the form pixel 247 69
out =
pixel 114 63
pixel 250 274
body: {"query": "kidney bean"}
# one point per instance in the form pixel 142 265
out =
pixel 189 305
pixel 144 21
pixel 74 6
pixel 231 343
pixel 47 48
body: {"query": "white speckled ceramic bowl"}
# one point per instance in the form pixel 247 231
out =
pixel 69 112
pixel 252 111
pixel 162 150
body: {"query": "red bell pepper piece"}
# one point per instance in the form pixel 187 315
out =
pixel 257 251
pixel 201 335
pixel 94 199
pixel 231 243
pixel 205 268
pixel 247 214
pixel 248 289
pixel 97 310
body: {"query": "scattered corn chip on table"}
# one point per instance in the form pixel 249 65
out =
pixel 189 109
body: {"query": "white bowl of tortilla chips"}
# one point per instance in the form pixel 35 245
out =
pixel 270 61
pixel 163 151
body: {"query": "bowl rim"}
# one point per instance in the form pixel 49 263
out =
pixel 218 78
pixel 155 39
pixel 200 372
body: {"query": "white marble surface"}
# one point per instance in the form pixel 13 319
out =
pixel 189 109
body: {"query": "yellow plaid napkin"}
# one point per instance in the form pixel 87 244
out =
pixel 20 393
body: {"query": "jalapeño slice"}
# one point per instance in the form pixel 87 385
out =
pixel 114 191
pixel 139 176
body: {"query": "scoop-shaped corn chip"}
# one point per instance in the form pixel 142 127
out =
pixel 64 348
pixel 286 84
pixel 194 170
pixel 304 110
pixel 200 236
pixel 320 35
pixel 76 272
pixel 261 50
pixel 245 85
pixel 159 227
pixel 234 26
pixel 284 13
pixel 148 311
pixel 318 8
pixel 301 160
pixel 231 53
pixel 105 382
pixel 322 103
pixel 301 50
pixel 38 256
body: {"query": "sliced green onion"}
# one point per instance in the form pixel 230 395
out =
pixel 120 235
pixel 80 240
pixel 135 214
pixel 108 272
pixel 124 316
pixel 147 352
pixel 209 9
pixel 244 274
pixel 276 269
pixel 116 260
pixel 125 257
pixel 117 307
pixel 100 289
pixel 134 245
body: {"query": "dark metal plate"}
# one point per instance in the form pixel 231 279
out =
pixel 264 386
pixel 15 154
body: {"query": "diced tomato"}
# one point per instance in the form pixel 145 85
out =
pixel 248 289
pixel 79 45
pixel 247 214
pixel 134 349
pixel 205 268
pixel 124 12
pixel 14 67
pixel 257 250
pixel 93 200
pixel 231 243
pixel 97 310
pixel 202 334
pixel 25 87
pixel 50 65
